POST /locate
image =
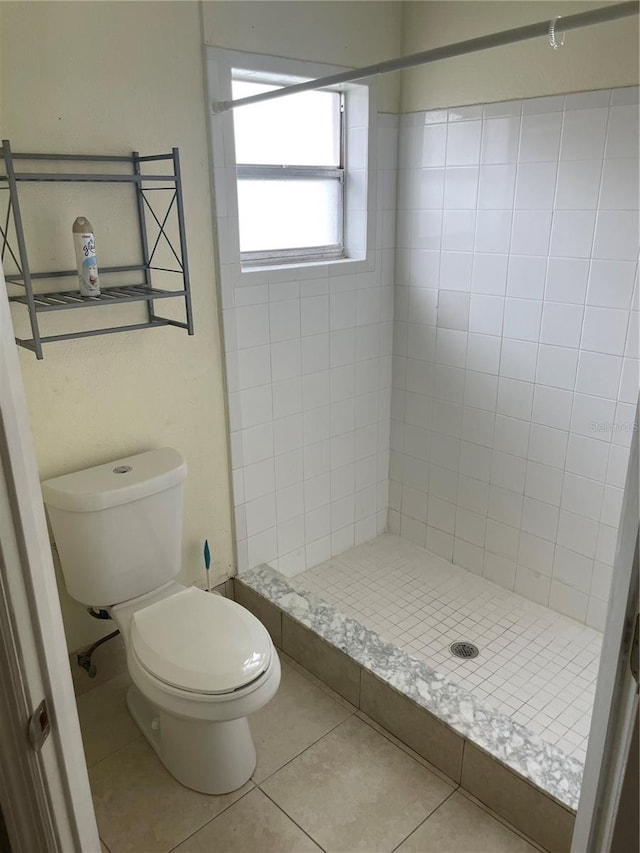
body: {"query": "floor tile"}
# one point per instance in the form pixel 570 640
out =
pixel 459 826
pixel 105 721
pixel 141 808
pixel 252 824
pixel 297 716
pixel 356 791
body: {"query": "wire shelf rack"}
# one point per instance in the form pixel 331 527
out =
pixel 61 300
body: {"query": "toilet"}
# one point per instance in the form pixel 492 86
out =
pixel 199 662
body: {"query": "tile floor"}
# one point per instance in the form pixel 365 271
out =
pixel 327 779
pixel 535 665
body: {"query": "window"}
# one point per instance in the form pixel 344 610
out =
pixel 290 173
pixel 291 177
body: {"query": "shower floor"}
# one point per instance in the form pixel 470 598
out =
pixel 535 665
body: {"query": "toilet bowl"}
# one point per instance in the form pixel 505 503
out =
pixel 199 663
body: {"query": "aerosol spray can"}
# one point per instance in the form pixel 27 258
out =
pixel 85 245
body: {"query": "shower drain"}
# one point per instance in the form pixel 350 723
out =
pixel 464 650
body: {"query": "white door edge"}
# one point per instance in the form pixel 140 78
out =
pixel 616 700
pixel 45 795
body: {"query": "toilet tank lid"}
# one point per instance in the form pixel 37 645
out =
pixel 117 482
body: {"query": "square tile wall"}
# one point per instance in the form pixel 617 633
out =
pixel 515 360
pixel 308 360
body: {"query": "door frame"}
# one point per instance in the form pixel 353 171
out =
pixel 615 707
pixel 45 795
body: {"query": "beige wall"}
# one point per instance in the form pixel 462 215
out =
pixel 108 78
pixel 353 34
pixel 597 57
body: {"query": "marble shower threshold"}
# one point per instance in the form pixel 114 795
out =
pixel 542 765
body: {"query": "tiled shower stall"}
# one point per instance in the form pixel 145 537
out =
pixel 456 415
pixel 515 371
pixel 506 252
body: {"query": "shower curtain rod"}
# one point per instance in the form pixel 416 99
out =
pixel 543 28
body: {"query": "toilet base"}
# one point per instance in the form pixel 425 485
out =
pixel 210 757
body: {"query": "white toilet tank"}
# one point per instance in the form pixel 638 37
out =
pixel 118 526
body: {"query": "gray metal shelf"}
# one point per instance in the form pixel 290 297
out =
pixel 38 303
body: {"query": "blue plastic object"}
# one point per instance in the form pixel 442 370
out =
pixel 207 555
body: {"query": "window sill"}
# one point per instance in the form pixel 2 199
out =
pixel 335 266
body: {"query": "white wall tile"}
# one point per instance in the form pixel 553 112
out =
pixel 286 360
pixel 493 231
pixel 496 187
pixel 515 398
pixel 578 534
pixel 284 319
pixel 583 134
pixel 582 496
pixel 569 601
pixel 526 277
pixel 611 284
pixel 557 366
pixel 572 233
pixel 604 330
pixel 543 483
pixel 561 324
pixel 567 280
pixel 531 232
pixel 522 318
pixel 458 229
pixel 463 143
pixel 573 569
pixel 536 186
pixel 622 134
pixel 483 353
pixel 500 140
pixel 552 407
pixel 616 236
pixel 486 314
pixel 540 518
pixel 254 367
pixel 548 445
pixel 536 553
pixel 532 585
pixel 489 274
pixel 455 270
pixel 598 374
pixel 460 188
pixel 620 184
pixel 578 184
pixel 540 137
pixel 518 357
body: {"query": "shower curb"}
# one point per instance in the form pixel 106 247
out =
pixel 531 784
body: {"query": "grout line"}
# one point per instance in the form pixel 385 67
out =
pixel 206 823
pixel 422 822
pixel 301 753
pixel 469 796
pixel 288 816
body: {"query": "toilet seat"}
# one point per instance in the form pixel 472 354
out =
pixel 200 643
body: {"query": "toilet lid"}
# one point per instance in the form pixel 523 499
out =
pixel 200 642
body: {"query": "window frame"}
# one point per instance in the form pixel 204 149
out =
pixel 360 181
pixel 283 172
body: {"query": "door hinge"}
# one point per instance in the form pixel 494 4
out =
pixel 39 726
pixel 634 654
